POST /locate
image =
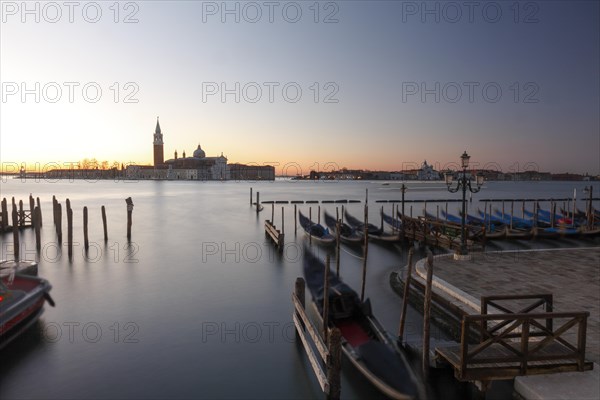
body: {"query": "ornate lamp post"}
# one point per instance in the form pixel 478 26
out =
pixel 463 183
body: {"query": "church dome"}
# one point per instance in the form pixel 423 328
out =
pixel 199 153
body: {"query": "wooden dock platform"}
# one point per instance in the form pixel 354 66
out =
pixel 516 335
pixel 274 234
pixel 524 346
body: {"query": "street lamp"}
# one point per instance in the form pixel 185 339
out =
pixel 463 183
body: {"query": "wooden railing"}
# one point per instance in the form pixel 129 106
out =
pixel 439 233
pixel 545 301
pixel 548 350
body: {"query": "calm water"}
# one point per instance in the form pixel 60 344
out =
pixel 198 304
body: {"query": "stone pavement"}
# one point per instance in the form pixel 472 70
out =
pixel 571 275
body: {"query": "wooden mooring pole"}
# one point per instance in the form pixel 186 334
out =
pixel 257 202
pixel 104 224
pixel 364 266
pixel 31 207
pixel 4 215
pixel 59 222
pixel 405 295
pixel 250 196
pixel 38 205
pixel 338 227
pixel 427 315
pixel 130 211
pixel 37 223
pixel 86 243
pixel 512 212
pixel 21 214
pixel 334 365
pixel 326 300
pixel 295 219
pixel 318 214
pixel 310 222
pixel 15 229
pixel 54 210
pixel 69 229
pixel 282 222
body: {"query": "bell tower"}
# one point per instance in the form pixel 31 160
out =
pixel 159 158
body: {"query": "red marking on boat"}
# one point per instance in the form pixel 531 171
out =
pixel 352 332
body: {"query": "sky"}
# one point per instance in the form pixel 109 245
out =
pixel 380 85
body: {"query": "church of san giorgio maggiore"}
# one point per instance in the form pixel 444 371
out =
pixel 197 167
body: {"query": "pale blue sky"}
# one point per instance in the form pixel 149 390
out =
pixel 372 54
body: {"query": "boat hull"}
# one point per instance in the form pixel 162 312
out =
pixel 21 303
pixel 364 340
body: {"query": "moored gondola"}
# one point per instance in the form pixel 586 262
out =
pixel 373 232
pixel 364 341
pixel 348 234
pixel 316 231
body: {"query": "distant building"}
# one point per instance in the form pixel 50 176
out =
pixel 240 172
pixel 567 177
pixel 197 167
pixel 158 146
pixel 425 173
